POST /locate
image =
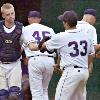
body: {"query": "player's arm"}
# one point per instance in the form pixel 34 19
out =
pixel 54 43
pixel 42 47
pixel 90 62
pixel 33 46
pixel 29 40
pixel 91 57
pixel 97 47
pixel 57 65
pixel 98 54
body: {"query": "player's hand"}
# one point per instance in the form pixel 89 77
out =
pixel 44 49
pixel 90 68
pixel 41 43
pixel 98 54
pixel 56 66
pixel 57 69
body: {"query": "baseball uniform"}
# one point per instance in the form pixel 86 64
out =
pixel 74 48
pixel 10 64
pixel 11 78
pixel 40 64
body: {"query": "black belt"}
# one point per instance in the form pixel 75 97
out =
pixel 42 55
pixel 74 67
pixel 77 67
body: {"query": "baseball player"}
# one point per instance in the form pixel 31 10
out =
pixel 74 47
pixel 10 52
pixel 88 20
pixel 40 65
pixel 86 24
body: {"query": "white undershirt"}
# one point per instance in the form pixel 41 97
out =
pixel 9 30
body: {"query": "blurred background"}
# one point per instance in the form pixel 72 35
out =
pixel 50 9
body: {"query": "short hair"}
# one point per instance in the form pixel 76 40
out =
pixel 69 17
pixel 6 6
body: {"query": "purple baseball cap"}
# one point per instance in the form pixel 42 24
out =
pixel 67 15
pixel 34 14
pixel 91 12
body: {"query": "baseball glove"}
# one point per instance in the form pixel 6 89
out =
pixel 43 40
pixel 43 50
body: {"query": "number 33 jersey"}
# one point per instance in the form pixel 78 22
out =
pixel 38 32
pixel 74 47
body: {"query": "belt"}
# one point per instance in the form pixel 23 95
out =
pixel 42 55
pixel 77 67
pixel 5 62
pixel 74 67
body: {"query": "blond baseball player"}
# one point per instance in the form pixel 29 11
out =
pixel 40 65
pixel 10 53
pixel 74 47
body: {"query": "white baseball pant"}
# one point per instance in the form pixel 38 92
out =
pixel 10 75
pixel 40 73
pixel 72 84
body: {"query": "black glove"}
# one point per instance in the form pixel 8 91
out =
pixel 43 50
pixel 41 43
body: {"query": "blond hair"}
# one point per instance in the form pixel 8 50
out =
pixel 6 6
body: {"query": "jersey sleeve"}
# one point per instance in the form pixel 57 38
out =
pixel 54 43
pixel 26 37
pixel 93 36
pixel 52 32
pixel 92 49
pixel 21 39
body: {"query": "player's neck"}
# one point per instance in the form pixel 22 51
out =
pixel 9 25
pixel 70 28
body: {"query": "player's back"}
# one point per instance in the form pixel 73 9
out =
pixel 38 31
pixel 74 48
pixel 89 30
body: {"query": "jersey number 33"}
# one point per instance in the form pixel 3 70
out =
pixel 76 49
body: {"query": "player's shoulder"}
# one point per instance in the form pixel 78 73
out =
pixel 28 26
pixel 18 23
pixel 37 25
pixel 60 34
pixel 85 24
pixel 46 27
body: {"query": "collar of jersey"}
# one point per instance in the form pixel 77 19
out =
pixel 82 22
pixel 72 31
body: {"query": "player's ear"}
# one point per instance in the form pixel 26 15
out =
pixel 40 19
pixel 3 15
pixel 65 25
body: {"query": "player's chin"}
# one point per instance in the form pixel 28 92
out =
pixel 11 20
